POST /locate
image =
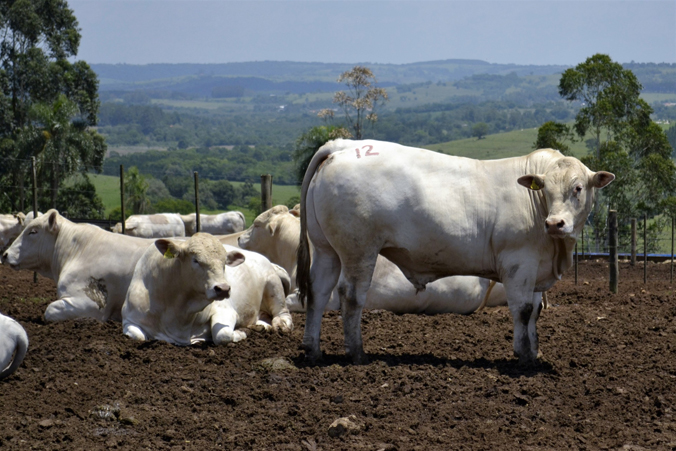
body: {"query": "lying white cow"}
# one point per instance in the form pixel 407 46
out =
pixel 11 227
pixel 160 225
pixel 276 233
pixel 513 220
pixel 220 224
pixel 13 345
pixel 92 268
pixel 188 291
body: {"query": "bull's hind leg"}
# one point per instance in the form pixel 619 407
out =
pixel 324 274
pixel 355 280
pixel 274 307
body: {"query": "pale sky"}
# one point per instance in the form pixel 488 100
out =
pixel 375 31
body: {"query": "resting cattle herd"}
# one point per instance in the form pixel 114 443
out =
pixel 513 220
pixel 220 224
pixel 275 233
pixel 92 267
pixel 160 225
pixel 196 290
pixel 13 345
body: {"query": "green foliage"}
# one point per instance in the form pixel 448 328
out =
pixel 181 206
pixel 309 143
pixel 552 135
pixel 135 192
pixel 671 137
pixel 78 199
pixel 480 130
pixel 47 102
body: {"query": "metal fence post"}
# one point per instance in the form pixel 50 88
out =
pixel 124 218
pixel 632 262
pixel 612 250
pixel 576 262
pixel 198 226
pixel 266 192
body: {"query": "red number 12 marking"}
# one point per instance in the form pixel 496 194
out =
pixel 368 153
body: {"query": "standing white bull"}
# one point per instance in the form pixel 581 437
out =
pixel 275 233
pixel 198 289
pixel 92 268
pixel 220 224
pixel 13 345
pixel 160 225
pixel 513 220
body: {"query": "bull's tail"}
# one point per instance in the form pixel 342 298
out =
pixel 303 281
pixel 20 353
pixel 491 284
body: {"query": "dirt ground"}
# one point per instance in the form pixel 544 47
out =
pixel 606 379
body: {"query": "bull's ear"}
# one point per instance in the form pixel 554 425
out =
pixel 295 211
pixel 601 179
pixel 532 181
pixel 234 258
pixel 167 248
pixel 21 218
pixel 52 222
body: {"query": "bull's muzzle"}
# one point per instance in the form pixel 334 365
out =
pixel 557 226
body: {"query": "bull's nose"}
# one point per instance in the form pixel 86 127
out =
pixel 555 224
pixel 222 291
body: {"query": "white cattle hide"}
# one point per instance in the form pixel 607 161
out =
pixel 160 225
pixel 13 345
pixel 196 290
pixel 220 224
pixel 276 234
pixel 513 220
pixel 92 268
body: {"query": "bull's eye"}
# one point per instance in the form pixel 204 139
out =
pixel 578 190
pixel 195 261
pixel 33 231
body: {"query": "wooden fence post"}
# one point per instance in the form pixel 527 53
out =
pixel 645 248
pixel 612 250
pixel 576 262
pixel 266 192
pixel 673 221
pixel 197 202
pixel 124 218
pixel 632 262
pixel 35 201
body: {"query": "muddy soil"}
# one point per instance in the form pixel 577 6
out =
pixel 605 381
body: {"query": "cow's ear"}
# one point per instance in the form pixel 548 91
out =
pixel 234 258
pixel 52 222
pixel 272 227
pixel 295 211
pixel 532 181
pixel 21 218
pixel 601 179
pixel 167 248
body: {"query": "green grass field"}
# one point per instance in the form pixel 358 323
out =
pixel 108 188
pixel 500 145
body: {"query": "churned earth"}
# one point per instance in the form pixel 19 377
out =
pixel 606 379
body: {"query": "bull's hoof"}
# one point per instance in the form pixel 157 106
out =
pixel 312 355
pixel 359 358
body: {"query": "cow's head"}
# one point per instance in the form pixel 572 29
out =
pixel 10 228
pixel 568 187
pixel 203 260
pixel 34 248
pixel 260 236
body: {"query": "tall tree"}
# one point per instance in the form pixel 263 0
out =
pixel 360 101
pixel 624 138
pixel 553 135
pixel 39 37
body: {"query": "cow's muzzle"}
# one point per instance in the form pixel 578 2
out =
pixel 222 291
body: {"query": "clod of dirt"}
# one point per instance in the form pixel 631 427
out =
pixel 106 411
pixel 275 364
pixel 46 424
pixel 343 425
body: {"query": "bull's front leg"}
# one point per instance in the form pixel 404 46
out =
pixel 525 306
pixel 69 307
